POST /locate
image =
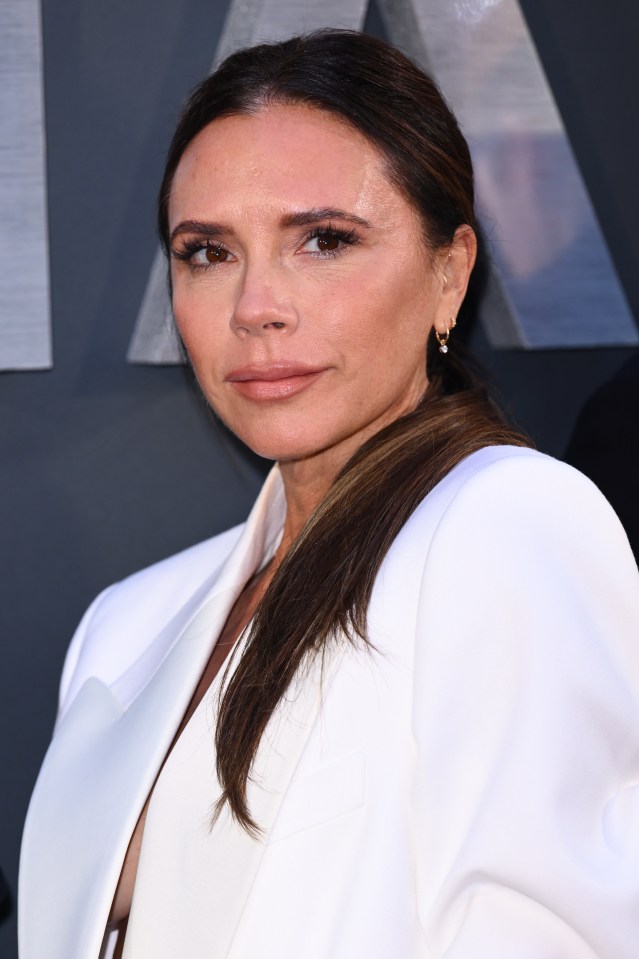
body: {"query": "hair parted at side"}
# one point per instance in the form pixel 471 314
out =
pixel 322 589
pixel 367 83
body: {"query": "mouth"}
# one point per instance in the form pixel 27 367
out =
pixel 275 381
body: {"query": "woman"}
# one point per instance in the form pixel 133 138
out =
pixel 426 739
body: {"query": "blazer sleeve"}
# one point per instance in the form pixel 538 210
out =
pixel 526 721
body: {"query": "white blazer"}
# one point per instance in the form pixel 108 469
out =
pixel 468 790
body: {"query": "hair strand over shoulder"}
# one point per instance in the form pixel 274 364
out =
pixel 321 592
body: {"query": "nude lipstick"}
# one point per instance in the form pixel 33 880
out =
pixel 273 381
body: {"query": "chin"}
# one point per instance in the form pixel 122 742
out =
pixel 283 452
pixel 272 445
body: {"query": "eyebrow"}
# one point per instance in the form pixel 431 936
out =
pixel 199 228
pixel 314 215
pixel 301 218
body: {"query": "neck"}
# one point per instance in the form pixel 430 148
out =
pixel 306 483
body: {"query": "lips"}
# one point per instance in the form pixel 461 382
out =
pixel 273 381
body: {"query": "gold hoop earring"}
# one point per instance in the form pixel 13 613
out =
pixel 442 338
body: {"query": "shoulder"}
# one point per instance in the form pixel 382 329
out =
pixel 507 491
pixel 528 602
pixel 511 518
pixel 522 499
pixel 127 615
pixel 529 554
pixel 514 472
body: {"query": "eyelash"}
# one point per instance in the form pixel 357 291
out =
pixel 347 237
pixel 191 247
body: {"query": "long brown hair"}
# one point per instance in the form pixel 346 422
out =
pixel 322 589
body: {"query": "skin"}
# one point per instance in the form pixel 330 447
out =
pixel 254 290
pixel 360 313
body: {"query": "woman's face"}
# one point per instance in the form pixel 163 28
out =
pixel 302 287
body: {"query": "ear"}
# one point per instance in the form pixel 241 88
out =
pixel 454 266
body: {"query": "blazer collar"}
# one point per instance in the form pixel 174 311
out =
pixel 236 854
pixel 108 749
pixel 257 544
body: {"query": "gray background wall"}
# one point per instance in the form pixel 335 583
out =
pixel 106 467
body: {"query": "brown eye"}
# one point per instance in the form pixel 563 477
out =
pixel 216 254
pixel 327 243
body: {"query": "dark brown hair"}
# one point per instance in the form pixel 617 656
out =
pixel 322 589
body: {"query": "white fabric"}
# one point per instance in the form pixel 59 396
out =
pixel 178 870
pixel 469 789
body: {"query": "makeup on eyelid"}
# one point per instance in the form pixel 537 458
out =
pixel 332 240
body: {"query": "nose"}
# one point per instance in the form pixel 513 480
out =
pixel 263 304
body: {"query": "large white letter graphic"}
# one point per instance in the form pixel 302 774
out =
pixel 25 334
pixel 556 283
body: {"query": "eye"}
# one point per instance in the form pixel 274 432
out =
pixel 201 256
pixel 215 253
pixel 329 241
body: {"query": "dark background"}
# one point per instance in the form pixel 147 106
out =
pixel 107 467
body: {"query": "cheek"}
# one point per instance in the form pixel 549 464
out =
pixel 383 318
pixel 200 320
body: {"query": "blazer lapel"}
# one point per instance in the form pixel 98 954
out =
pixel 105 756
pixel 95 779
pixel 238 854
pixel 258 542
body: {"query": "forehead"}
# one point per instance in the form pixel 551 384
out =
pixel 286 156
